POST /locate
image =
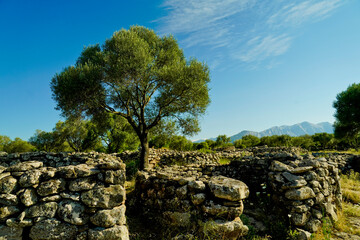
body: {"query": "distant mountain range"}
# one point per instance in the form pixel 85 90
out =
pixel 293 130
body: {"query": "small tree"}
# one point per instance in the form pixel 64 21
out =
pixel 347 114
pixel 222 141
pixel 250 140
pixel 139 76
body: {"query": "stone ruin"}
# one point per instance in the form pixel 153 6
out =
pixel 207 198
pixel 82 195
pixel 62 196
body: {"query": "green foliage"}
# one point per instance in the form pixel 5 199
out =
pixel 81 135
pixel 4 141
pixel 239 144
pixel 347 114
pixel 250 141
pixel 140 76
pixel 18 145
pixel 162 133
pixel 305 141
pixel 131 169
pixel 224 161
pixel 222 141
pixel 49 141
pixel 116 133
pixel 323 140
pixel 180 143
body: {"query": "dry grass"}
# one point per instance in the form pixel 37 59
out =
pixel 350 185
pixel 344 224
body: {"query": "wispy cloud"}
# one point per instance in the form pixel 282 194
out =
pixel 260 48
pixel 248 31
pixel 296 14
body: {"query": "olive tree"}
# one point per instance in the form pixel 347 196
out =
pixel 140 76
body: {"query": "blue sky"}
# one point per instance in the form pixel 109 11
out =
pixel 272 62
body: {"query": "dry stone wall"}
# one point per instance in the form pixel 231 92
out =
pixel 186 198
pixel 62 196
pixel 303 188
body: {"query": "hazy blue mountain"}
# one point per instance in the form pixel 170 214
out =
pixel 293 130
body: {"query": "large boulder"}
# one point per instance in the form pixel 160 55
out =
pixel 228 188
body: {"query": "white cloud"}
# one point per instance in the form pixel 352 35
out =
pixel 260 48
pixel 295 14
pixel 248 31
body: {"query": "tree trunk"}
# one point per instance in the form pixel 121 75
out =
pixel 144 152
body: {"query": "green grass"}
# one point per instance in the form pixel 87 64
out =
pixel 224 161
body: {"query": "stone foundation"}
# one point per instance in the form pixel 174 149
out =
pixel 62 196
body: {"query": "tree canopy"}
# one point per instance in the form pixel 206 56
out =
pixel 347 114
pixel 140 76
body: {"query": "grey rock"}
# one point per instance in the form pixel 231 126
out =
pixel 109 218
pixel 220 229
pixel 228 188
pixel 10 233
pixel 301 169
pixel 313 225
pixel 14 222
pixel 81 170
pixel 7 184
pixel 115 177
pixel 221 211
pixel 198 199
pixel 104 197
pixel 299 219
pixel 53 186
pixel 47 209
pixel 177 219
pixel 303 235
pixel 114 233
pixel 30 178
pixel 72 196
pixel 82 184
pixel 300 194
pixel 8 199
pixel 8 211
pixel 53 198
pixel 25 166
pixel 196 186
pixel 52 229
pixel 181 192
pixel 72 212
pixel 277 166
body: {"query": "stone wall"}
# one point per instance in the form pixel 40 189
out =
pixel 185 199
pixel 304 189
pixel 165 157
pixel 62 196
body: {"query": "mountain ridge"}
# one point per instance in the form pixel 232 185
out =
pixel 295 130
